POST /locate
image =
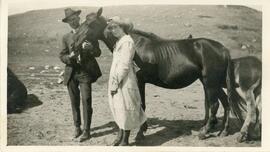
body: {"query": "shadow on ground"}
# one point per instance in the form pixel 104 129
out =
pixel 168 130
pixel 113 129
pixel 172 129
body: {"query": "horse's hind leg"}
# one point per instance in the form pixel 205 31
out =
pixel 213 120
pixel 257 93
pixel 251 114
pixel 259 116
pixel 141 85
pixel 211 96
pixel 225 124
pixel 214 110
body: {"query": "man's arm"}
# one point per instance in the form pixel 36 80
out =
pixel 64 54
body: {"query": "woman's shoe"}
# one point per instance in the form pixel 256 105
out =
pixel 119 137
pixel 124 141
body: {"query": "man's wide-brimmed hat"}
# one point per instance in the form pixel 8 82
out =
pixel 69 12
pixel 125 23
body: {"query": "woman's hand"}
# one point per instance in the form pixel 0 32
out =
pixel 114 86
pixel 113 92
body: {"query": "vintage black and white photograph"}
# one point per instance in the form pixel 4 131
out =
pixel 134 74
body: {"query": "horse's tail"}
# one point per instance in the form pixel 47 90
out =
pixel 236 102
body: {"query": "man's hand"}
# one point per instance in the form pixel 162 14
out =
pixel 71 55
pixel 87 45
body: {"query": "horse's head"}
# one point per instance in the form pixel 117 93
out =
pixel 92 29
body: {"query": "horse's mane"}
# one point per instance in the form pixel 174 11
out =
pixel 149 35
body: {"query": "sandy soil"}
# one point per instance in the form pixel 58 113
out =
pixel 174 116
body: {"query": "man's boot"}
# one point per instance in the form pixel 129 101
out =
pixel 85 135
pixel 87 116
pixel 77 132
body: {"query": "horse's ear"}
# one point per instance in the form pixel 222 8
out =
pixel 99 12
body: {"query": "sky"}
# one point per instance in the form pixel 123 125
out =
pixel 20 6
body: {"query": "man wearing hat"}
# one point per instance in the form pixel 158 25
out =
pixel 79 76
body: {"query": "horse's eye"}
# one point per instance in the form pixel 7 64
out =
pixel 90 25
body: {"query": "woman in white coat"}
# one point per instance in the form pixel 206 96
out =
pixel 124 96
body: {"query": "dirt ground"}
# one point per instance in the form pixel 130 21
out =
pixel 174 116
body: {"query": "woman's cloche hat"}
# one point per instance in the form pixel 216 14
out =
pixel 126 24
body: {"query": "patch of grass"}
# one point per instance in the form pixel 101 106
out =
pixel 235 38
pixel 251 29
pixel 204 16
pixel 228 27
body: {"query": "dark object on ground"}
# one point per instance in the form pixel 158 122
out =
pixel 16 92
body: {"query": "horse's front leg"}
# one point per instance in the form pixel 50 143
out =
pixel 141 85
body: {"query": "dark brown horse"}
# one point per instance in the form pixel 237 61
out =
pixel 176 64
pixel 248 77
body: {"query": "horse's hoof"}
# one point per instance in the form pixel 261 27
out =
pixel 144 127
pixel 242 137
pixel 223 133
pixel 202 136
pixel 202 133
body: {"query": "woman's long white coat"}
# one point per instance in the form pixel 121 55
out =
pixel 126 103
